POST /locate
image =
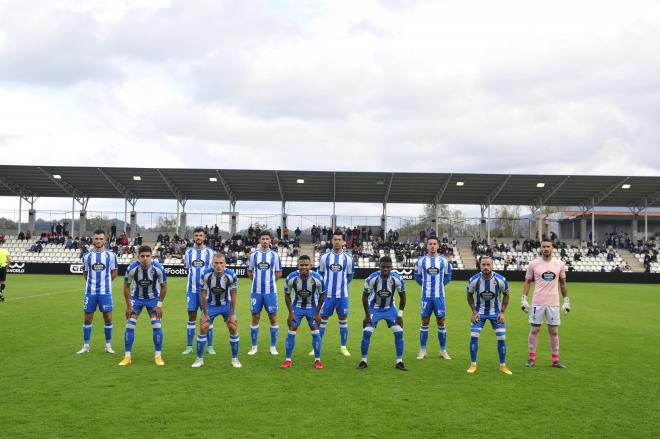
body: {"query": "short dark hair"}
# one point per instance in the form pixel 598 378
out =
pixel 304 258
pixel 199 229
pixel 219 255
pixel 265 233
pixel 482 257
pixel 385 259
pixel 144 249
pixel 100 232
pixel 433 237
pixel 547 240
pixel 338 233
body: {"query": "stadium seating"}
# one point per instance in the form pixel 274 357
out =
pixel 655 266
pixel 586 264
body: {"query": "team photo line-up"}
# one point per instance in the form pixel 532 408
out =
pixel 315 296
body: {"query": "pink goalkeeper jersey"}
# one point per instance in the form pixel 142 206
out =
pixel 546 278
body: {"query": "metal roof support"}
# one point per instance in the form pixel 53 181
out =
pixel 596 199
pixel 441 192
pixel 180 196
pixel 21 191
pixel 490 199
pixel 545 196
pixel 228 190
pixel 73 192
pixel 389 188
pixel 279 186
pixel 128 195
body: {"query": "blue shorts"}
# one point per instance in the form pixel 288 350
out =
pixel 215 311
pixel 138 304
pixel 335 303
pixel 102 301
pixel 192 301
pixel 268 301
pixel 389 315
pixel 482 321
pixel 304 313
pixel 433 304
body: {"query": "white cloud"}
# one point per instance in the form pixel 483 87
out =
pixel 511 86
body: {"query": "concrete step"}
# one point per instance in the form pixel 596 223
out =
pixel 632 261
pixel 469 261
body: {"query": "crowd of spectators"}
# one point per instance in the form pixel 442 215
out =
pixel 649 249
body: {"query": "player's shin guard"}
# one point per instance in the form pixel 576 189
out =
pixel 129 335
pixel 209 335
pixel 87 333
pixel 274 331
pixel 290 343
pixel 423 336
pixel 532 340
pixel 158 334
pixel 254 334
pixel 398 341
pixel 107 329
pixel 201 343
pixel 324 323
pixel 190 332
pixel 474 345
pixel 316 344
pixel 343 331
pixel 366 340
pixel 442 337
pixel 233 343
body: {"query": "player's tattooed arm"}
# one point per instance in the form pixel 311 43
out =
pixel 505 303
pixel 161 299
pixel 291 318
pixel 402 306
pixel 470 300
pixel 317 314
pixel 113 274
pixel 232 310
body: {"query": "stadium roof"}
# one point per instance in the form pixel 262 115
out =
pixel 328 186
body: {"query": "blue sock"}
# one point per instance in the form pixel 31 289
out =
pixel 324 322
pixel 442 337
pixel 366 339
pixel 254 333
pixel 108 332
pixel 233 342
pixel 129 335
pixel 343 332
pixel 398 344
pixel 274 331
pixel 290 343
pixel 201 342
pixel 87 333
pixel 158 334
pixel 501 344
pixel 316 344
pixel 474 348
pixel 209 335
pixel 423 336
pixel 190 332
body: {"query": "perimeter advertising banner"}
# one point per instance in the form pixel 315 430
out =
pixel 360 273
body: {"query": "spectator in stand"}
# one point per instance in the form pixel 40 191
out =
pixel 113 231
pixel 278 232
pixel 36 248
pixel 2 238
pixel 297 232
pixel 285 233
pixel 69 244
pixel 28 235
pixel 21 236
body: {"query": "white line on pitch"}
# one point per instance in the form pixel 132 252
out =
pixel 11 299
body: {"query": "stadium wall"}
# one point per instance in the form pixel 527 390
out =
pixel 360 273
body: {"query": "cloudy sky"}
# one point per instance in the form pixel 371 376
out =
pixel 409 85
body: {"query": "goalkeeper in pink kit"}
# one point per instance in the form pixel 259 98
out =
pixel 549 275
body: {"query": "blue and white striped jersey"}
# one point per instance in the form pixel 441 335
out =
pixel 263 266
pixel 488 292
pixel 335 267
pixel 146 282
pixel 98 266
pixel 433 271
pixel 196 261
pixel 381 290
pixel 219 286
pixel 306 290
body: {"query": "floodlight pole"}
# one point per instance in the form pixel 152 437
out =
pixel 593 223
pixel 125 214
pixel 20 207
pixel 488 226
pixel 540 225
pixel 646 220
pixel 73 215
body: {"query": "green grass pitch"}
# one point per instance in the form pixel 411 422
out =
pixel 610 343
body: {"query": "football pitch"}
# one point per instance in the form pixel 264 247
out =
pixel 609 342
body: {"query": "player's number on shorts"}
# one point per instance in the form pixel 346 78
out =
pixel 254 301
pixel 86 301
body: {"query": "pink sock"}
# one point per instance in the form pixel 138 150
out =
pixel 531 341
pixel 554 346
pixel 532 355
